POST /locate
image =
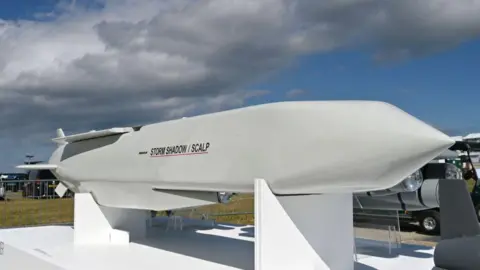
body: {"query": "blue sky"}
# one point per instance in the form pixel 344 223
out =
pixel 24 9
pixel 27 9
pixel 439 88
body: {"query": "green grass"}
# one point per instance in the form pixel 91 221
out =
pixel 20 211
pixel 17 211
pixel 239 204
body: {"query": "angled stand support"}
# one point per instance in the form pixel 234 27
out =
pixel 95 224
pixel 304 231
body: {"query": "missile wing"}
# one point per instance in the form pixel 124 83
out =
pixel 90 135
pixel 308 147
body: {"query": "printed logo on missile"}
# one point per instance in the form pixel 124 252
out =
pixel 180 150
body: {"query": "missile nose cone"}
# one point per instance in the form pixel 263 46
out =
pixel 407 143
pixel 362 146
pixel 415 134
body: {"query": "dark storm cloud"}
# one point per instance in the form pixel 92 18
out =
pixel 144 61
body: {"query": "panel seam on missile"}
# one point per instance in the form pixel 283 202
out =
pixel 301 194
pixel 99 137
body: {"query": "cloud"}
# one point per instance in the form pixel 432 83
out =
pixel 121 62
pixel 294 93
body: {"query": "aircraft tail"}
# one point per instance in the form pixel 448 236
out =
pixel 459 228
pixel 458 217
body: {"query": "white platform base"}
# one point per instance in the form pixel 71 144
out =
pixel 292 232
pixel 229 247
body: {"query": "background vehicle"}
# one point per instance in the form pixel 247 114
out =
pixel 428 220
pixel 12 181
pixel 2 189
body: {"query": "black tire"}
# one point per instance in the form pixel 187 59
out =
pixel 429 222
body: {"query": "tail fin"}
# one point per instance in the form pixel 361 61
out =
pixel 459 228
pixel 60 133
pixel 457 214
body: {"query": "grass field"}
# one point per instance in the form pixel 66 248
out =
pixel 240 204
pixel 17 211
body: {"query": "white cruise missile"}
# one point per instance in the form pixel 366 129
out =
pixel 297 147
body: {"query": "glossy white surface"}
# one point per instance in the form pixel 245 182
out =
pixel 219 247
pixel 374 255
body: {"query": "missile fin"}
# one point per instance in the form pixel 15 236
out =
pixel 92 135
pixel 37 166
pixel 61 189
pixel 60 133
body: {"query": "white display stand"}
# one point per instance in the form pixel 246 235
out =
pixel 317 228
pixel 292 232
pixel 98 225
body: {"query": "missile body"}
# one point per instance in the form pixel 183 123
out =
pixel 297 147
